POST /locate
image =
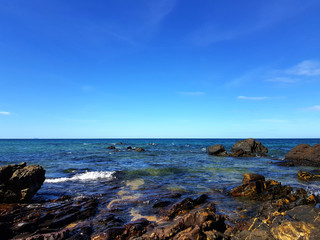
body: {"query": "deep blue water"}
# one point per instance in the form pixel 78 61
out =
pixel 87 167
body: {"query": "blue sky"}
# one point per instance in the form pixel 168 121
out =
pixel 159 68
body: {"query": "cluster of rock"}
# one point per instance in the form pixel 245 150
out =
pixel 243 148
pixel 304 154
pixel 19 183
pixel 57 219
pixel 138 149
pixel 285 214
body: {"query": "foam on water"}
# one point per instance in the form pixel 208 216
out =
pixel 87 176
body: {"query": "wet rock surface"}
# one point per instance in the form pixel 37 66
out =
pixel 243 148
pixel 19 183
pixel 304 154
pixel 248 147
pixel 217 150
pixel 308 176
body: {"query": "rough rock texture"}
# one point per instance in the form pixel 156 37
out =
pixel 197 223
pixel 303 175
pixel 255 187
pixel 19 183
pixel 217 150
pixel 248 147
pixel 57 219
pixel 304 154
pixel 300 222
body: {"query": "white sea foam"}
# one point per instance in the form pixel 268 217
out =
pixel 87 176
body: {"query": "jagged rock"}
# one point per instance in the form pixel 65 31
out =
pixel 303 175
pixel 139 149
pixel 200 223
pixel 50 220
pixel 248 147
pixel 217 150
pixel 255 187
pixel 185 206
pixel 301 222
pixel 19 183
pixel 304 154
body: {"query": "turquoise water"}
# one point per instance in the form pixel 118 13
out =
pixel 87 167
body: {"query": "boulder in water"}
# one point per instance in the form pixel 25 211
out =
pixel 217 150
pixel 250 147
pixel 19 183
pixel 304 154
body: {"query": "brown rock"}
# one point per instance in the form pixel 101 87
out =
pixel 139 149
pixel 250 147
pixel 111 147
pixel 217 150
pixel 251 177
pixel 304 154
pixel 259 189
pixel 185 206
pixel 19 183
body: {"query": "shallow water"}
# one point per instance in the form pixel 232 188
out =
pixel 87 167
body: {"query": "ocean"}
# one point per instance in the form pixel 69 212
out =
pixel 81 167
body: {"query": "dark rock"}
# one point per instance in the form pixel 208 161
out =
pixel 129 148
pixel 301 222
pixel 252 177
pixel 185 206
pixel 255 187
pixel 200 223
pixel 303 175
pixel 135 229
pixel 49 220
pixel 250 147
pixel 111 147
pixel 161 204
pixel 139 149
pixel 304 154
pixel 238 153
pixel 19 183
pixel 217 150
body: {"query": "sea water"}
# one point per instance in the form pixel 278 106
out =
pixel 81 167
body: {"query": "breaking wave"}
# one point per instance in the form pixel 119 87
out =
pixel 87 176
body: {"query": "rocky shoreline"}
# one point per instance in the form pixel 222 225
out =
pixel 284 212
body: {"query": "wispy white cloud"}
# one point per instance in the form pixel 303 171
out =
pixel 252 98
pixel 315 108
pixel 4 113
pixel 192 93
pixel 305 68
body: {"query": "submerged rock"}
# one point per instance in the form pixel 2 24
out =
pixel 19 183
pixel 217 150
pixel 303 175
pixel 139 149
pixel 111 147
pixel 248 147
pixel 304 154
